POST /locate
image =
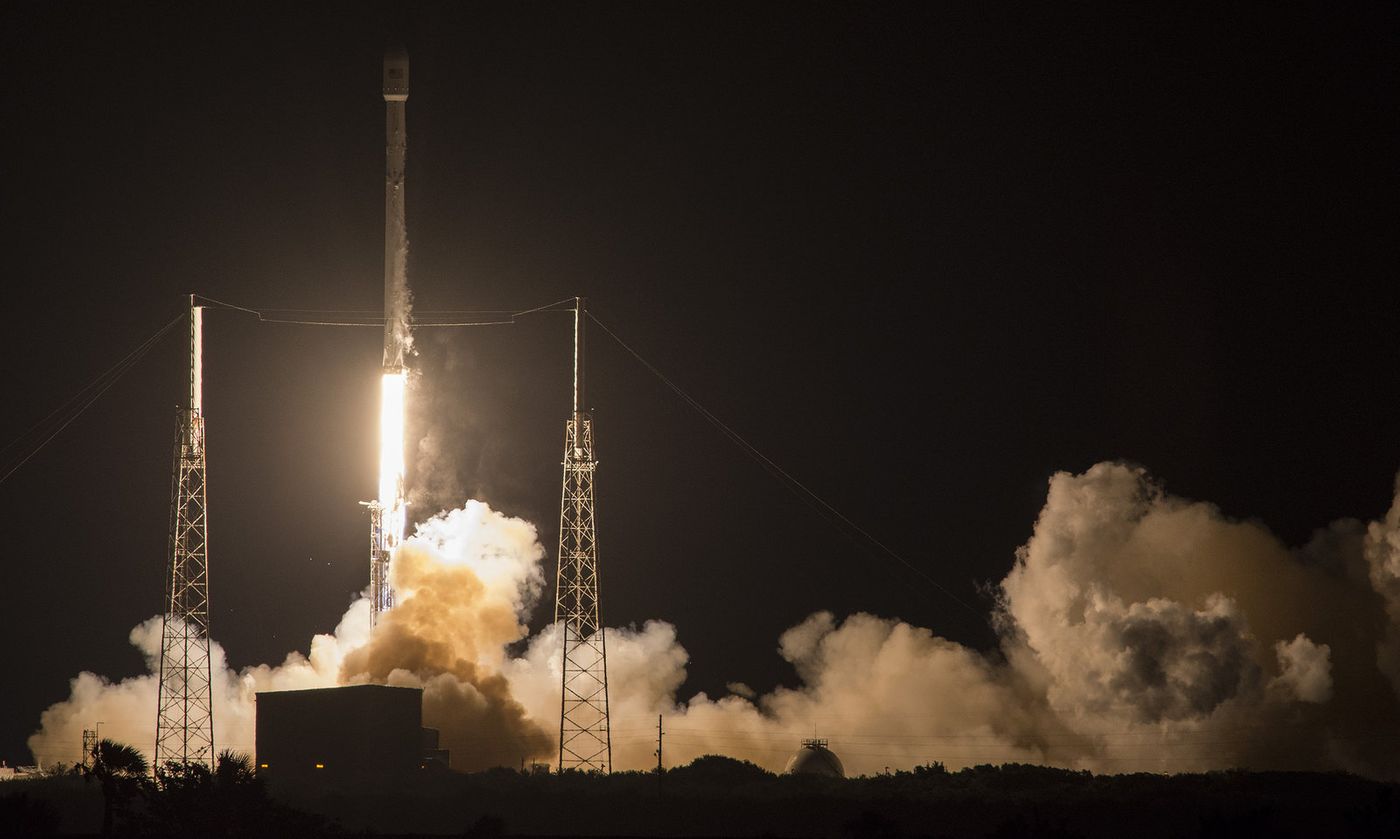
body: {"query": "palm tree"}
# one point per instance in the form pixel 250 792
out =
pixel 233 769
pixel 121 770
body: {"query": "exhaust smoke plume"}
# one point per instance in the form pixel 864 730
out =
pixel 1138 632
pixel 463 580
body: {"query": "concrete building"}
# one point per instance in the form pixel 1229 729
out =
pixel 354 733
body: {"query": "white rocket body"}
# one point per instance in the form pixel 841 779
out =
pixel 397 340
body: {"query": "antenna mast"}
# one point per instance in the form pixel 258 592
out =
pixel 584 740
pixel 185 709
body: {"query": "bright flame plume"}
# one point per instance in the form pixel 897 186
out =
pixel 391 507
pixel 391 447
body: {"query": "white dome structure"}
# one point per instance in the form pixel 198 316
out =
pixel 814 758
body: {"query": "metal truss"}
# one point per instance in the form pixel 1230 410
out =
pixel 185 709
pixel 185 722
pixel 381 592
pixel 89 746
pixel 584 741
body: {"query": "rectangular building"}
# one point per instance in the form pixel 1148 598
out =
pixel 354 733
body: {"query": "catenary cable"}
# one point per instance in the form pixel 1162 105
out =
pixel 797 487
pixel 102 383
pixel 369 319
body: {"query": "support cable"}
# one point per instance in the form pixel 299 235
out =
pixel 87 395
pixel 795 486
pixel 369 318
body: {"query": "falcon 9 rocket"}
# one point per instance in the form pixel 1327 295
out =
pixel 388 511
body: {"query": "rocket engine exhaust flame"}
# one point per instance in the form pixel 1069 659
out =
pixel 391 445
pixel 388 514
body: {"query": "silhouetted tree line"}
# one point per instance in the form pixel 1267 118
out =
pixel 719 796
pixel 177 800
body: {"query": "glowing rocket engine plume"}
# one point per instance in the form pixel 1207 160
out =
pixel 391 432
pixel 388 513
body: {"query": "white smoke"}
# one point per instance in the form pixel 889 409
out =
pixel 1305 669
pixel 1139 631
pixel 1382 552
pixel 463 580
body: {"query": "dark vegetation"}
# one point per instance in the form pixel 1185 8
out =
pixel 117 795
pixel 716 796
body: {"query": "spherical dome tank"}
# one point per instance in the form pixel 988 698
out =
pixel 814 758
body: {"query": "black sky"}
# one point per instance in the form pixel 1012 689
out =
pixel 922 257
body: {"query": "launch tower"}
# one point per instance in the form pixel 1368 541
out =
pixel 185 709
pixel 584 740
pixel 388 513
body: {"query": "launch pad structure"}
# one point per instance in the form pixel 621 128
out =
pixel 185 707
pixel 584 741
pixel 185 727
pixel 584 738
pixel 185 711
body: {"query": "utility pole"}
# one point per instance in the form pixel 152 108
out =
pixel 584 739
pixel 185 706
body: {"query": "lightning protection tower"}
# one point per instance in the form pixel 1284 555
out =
pixel 89 745
pixel 185 716
pixel 584 741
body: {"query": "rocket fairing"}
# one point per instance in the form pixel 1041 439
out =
pixel 397 339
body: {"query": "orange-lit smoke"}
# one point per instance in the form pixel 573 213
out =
pixel 1139 631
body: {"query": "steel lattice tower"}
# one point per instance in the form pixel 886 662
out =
pixel 185 716
pixel 89 745
pixel 584 741
pixel 381 593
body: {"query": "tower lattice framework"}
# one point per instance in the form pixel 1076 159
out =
pixel 584 740
pixel 185 716
pixel 381 592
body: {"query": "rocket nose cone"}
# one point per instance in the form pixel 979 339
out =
pixel 396 74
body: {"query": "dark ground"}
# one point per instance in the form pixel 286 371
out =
pixel 722 797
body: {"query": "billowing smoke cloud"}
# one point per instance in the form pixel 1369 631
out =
pixel 462 580
pixel 463 583
pixel 1305 670
pixel 1138 632
pixel 1382 552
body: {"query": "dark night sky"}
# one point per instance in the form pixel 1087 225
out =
pixel 922 258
